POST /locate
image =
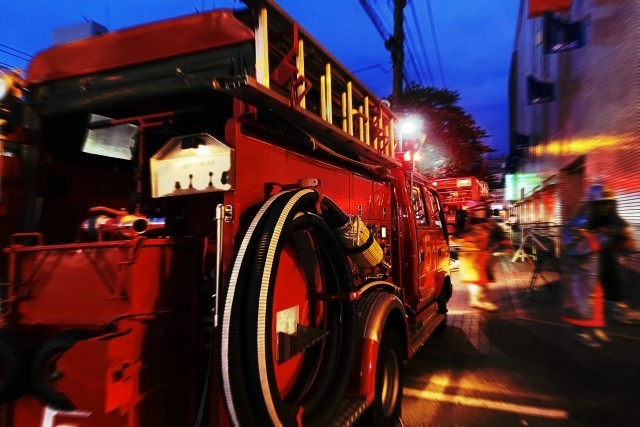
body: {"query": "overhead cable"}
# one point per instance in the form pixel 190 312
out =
pixel 16 50
pixel 422 45
pixel 435 42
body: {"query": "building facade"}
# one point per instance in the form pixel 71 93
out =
pixel 574 107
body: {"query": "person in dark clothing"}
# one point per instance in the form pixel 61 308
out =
pixel 591 239
pixel 461 220
pixel 617 240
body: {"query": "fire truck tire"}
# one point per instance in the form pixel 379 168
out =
pixel 295 259
pixel 14 357
pixel 44 370
pixel 387 403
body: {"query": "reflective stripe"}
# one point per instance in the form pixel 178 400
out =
pixel 233 281
pixel 263 303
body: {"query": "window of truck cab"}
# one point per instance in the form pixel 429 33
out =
pixel 419 207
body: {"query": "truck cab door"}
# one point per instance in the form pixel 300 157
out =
pixel 439 239
pixel 426 246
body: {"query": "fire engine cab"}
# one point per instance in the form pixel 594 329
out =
pixel 214 231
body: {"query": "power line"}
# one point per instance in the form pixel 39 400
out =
pixel 421 41
pixel 16 50
pixel 13 54
pixel 435 42
pixel 412 58
pixel 4 64
pixel 370 67
pixel 393 42
pixel 375 20
pixel 377 15
pixel 411 49
pixel 23 56
pixel 415 67
pixel 412 66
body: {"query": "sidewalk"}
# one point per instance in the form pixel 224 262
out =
pixel 522 365
pixel 541 306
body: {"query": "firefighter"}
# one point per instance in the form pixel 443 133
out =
pixel 476 248
pixel 617 240
pixel 591 237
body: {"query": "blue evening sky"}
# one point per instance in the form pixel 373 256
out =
pixel 475 40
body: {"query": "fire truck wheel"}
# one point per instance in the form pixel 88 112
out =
pixel 14 356
pixel 44 371
pixel 291 336
pixel 386 406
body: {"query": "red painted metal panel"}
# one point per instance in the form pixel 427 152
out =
pixel 85 284
pixel 369 349
pixel 280 166
pixel 150 42
pixel 144 289
pixel 540 7
pixel 75 285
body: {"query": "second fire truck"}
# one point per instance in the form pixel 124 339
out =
pixel 455 193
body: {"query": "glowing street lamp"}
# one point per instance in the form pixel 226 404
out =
pixel 411 137
pixel 409 127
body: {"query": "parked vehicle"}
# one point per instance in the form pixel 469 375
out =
pixel 215 231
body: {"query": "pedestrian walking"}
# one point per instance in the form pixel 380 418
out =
pixel 616 240
pixel 482 238
pixel 589 239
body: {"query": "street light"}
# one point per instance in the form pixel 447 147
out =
pixel 411 137
pixel 409 127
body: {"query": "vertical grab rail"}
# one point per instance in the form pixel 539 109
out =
pixel 219 238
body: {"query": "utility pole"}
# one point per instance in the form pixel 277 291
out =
pixel 396 46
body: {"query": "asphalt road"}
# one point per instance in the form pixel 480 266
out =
pixel 522 366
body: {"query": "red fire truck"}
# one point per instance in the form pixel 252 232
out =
pixel 455 193
pixel 215 231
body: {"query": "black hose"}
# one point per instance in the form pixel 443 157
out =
pixel 239 404
pixel 256 397
pixel 332 213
